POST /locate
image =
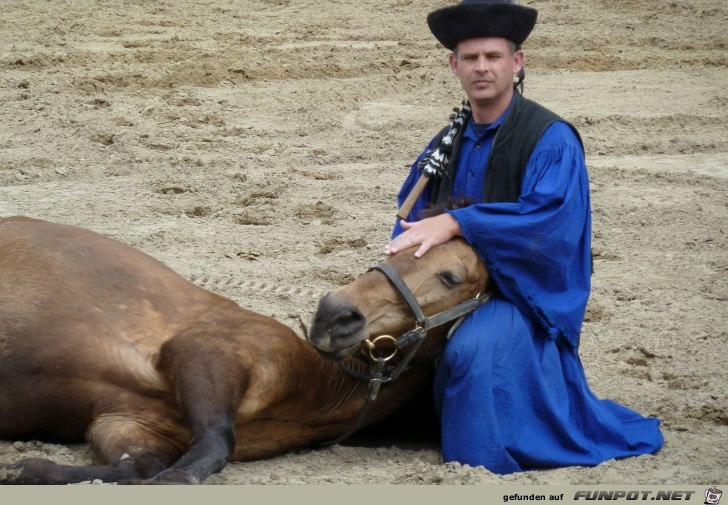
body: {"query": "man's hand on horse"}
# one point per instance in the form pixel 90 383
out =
pixel 426 234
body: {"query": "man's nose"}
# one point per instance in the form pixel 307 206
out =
pixel 481 64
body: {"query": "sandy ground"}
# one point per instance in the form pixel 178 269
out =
pixel 257 147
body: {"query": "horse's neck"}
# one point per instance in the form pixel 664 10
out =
pixel 343 395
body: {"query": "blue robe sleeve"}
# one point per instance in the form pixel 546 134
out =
pixel 538 250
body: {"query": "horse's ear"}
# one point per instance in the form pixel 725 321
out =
pixel 461 203
pixel 436 210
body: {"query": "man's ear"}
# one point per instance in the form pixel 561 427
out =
pixel 517 61
pixel 453 63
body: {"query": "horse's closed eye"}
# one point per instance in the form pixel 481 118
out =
pixel 449 279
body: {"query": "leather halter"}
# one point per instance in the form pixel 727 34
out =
pixel 411 339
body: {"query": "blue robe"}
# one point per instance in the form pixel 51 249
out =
pixel 510 389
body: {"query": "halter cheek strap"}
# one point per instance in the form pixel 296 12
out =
pixel 427 323
pixel 406 293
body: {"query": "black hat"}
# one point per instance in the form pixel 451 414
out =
pixel 482 18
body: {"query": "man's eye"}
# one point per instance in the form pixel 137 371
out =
pixel 449 279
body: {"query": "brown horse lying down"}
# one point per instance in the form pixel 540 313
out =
pixel 168 381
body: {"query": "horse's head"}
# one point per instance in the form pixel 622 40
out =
pixel 371 305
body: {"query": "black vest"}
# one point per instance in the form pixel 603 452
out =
pixel 513 145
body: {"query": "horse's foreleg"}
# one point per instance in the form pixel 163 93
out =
pixel 209 388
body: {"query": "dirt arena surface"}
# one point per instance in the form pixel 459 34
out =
pixel 257 148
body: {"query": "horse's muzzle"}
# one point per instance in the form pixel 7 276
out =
pixel 338 328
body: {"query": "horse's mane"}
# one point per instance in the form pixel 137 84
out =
pixel 436 210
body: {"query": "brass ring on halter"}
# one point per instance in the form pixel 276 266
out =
pixel 372 345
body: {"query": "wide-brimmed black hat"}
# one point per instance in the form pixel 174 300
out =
pixel 482 18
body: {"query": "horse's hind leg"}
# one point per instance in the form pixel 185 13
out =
pixel 44 471
pixel 129 452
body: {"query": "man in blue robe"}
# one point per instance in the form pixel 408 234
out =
pixel 510 390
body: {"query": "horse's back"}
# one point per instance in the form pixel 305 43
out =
pixel 55 277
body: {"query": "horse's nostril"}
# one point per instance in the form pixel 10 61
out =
pixel 346 322
pixel 337 324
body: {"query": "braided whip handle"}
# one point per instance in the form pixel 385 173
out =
pixel 435 163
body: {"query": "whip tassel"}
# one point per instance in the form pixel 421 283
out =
pixel 434 164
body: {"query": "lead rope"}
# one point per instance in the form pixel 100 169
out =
pixel 374 384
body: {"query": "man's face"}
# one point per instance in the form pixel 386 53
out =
pixel 485 67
